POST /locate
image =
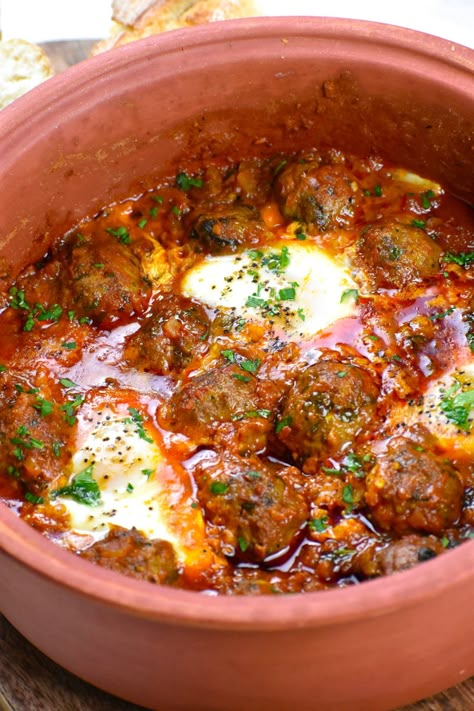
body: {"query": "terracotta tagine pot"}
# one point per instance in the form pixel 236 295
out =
pixel 110 127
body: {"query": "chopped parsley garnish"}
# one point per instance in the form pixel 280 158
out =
pixel 243 544
pixel 66 383
pixel 426 199
pixel 176 211
pixel 279 167
pixel 462 259
pixel 251 366
pixel 44 407
pixel 56 447
pixel 218 487
pixel 418 223
pixel 157 198
pixel 38 312
pixel 242 378
pixel 3 368
pixel 319 524
pixel 377 191
pixel 33 499
pixel 284 422
pixel 69 408
pixel 147 472
pixel 300 235
pixel 287 294
pixel 130 488
pixel 69 345
pixel 253 413
pixel 442 314
pixel 350 295
pixel 121 233
pixel 229 355
pixel 24 440
pixel 153 211
pixel 142 223
pixel 137 420
pixel 83 489
pixel 348 495
pixel 457 406
pixel 186 182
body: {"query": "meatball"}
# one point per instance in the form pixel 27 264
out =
pixel 259 504
pixel 226 228
pixel 170 338
pixel 397 555
pixel 203 402
pixel 33 441
pixel 106 280
pixel 130 553
pixel 323 195
pixel 413 488
pixel 329 406
pixel 396 255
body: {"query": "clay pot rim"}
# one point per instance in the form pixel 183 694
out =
pixel 141 599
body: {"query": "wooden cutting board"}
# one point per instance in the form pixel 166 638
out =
pixel 29 681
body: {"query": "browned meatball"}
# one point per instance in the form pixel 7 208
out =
pixel 413 488
pixel 259 504
pixel 34 440
pixel 105 279
pixel 330 405
pixel 130 553
pixel 397 555
pixel 226 228
pixel 170 338
pixel 203 402
pixel 395 255
pixel 323 195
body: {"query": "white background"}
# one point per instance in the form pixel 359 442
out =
pixel 42 20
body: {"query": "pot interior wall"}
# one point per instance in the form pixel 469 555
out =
pixel 130 118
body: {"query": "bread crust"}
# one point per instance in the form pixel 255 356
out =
pixel 141 18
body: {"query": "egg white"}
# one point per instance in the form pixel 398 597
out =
pixel 138 488
pixel 247 285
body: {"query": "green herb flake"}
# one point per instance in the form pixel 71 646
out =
pixel 153 211
pixel 33 499
pixel 158 198
pixel 56 447
pixel 445 541
pixel 348 495
pixel 331 470
pixel 129 488
pixel 218 487
pixel 186 182
pixel 142 223
pixel 147 472
pixel 137 420
pixel 301 315
pixel 300 235
pixel 69 345
pixel 319 524
pixel 228 355
pixel 441 314
pixel 121 233
pixel 378 191
pixel 418 223
pixel 241 378
pixel 83 489
pixel 287 294
pixel 176 211
pixel 66 383
pixel 250 366
pixel 462 259
pixel 44 407
pixel 3 368
pixel 284 422
pixel 243 544
pixel 350 295
pixel 457 406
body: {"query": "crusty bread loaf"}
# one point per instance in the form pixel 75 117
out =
pixel 22 66
pixel 136 19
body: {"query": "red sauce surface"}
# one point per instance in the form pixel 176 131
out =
pixel 286 464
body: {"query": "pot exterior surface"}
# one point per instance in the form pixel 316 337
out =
pixel 368 664
pixel 109 128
